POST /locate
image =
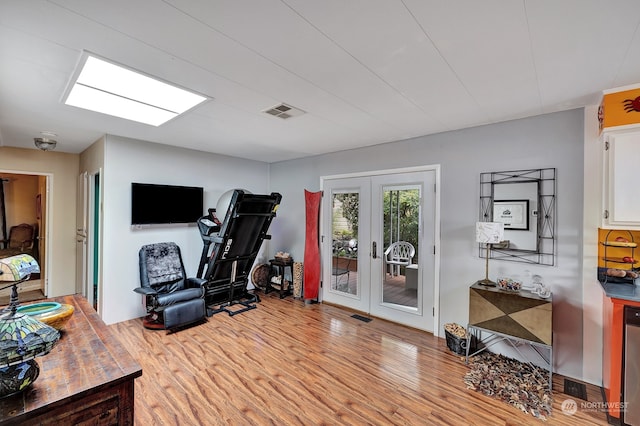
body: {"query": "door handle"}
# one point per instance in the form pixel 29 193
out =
pixel 374 250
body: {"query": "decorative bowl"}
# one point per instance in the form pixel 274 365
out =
pixel 51 313
pixel 509 284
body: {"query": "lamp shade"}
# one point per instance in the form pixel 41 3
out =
pixel 489 232
pixel 23 337
pixel 17 267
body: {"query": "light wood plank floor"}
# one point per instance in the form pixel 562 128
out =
pixel 287 363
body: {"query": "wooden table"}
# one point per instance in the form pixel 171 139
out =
pixel 279 267
pixel 87 378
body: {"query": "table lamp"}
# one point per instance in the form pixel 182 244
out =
pixel 488 233
pixel 22 338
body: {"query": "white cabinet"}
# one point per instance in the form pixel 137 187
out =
pixel 621 190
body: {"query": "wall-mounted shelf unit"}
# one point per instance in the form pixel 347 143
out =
pixel 617 258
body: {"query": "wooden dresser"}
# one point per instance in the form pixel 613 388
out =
pixel 87 378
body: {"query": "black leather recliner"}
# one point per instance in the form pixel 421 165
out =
pixel 172 300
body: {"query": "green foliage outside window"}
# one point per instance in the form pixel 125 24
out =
pixel 401 216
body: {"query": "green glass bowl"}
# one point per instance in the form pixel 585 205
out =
pixel 51 313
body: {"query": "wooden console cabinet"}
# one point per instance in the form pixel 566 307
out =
pixel 519 314
pixel 87 378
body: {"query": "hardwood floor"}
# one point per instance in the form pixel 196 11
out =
pixel 287 363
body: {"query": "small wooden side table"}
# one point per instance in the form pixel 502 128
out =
pixel 279 272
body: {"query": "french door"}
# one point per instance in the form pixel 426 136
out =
pixel 362 218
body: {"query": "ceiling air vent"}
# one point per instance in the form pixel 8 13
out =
pixel 284 111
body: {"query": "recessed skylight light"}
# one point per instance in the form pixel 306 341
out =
pixel 111 89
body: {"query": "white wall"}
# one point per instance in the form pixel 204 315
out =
pixel 129 160
pixel 552 140
pixel 592 294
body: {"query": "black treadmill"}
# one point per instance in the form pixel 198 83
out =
pixel 234 246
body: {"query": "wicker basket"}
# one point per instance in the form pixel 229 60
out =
pixel 458 345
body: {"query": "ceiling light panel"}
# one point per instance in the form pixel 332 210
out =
pixel 117 106
pixel 111 89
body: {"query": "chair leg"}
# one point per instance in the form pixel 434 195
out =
pixel 153 321
pixel 346 284
pixel 339 285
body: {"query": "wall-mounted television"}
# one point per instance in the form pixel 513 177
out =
pixel 157 204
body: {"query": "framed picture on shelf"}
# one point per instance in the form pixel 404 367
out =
pixel 514 214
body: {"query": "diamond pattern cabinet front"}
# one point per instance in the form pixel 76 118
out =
pixel 520 314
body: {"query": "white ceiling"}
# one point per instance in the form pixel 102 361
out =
pixel 366 72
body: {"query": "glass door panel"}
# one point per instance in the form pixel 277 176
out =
pixel 344 242
pixel 343 221
pixel 401 216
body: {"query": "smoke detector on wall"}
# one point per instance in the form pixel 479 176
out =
pixel 284 111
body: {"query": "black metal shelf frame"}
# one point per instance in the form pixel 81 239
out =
pixel 546 246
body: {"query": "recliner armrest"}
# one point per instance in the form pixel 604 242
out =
pixel 196 282
pixel 147 291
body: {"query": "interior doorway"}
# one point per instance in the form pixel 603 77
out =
pixel 88 219
pixel 24 211
pixel 380 233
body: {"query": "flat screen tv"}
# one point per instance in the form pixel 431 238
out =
pixel 158 204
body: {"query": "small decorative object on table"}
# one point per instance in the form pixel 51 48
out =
pixel 283 256
pixel 488 233
pixel 51 313
pixel 509 284
pixel 539 287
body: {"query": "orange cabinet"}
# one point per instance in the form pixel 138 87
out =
pixel 613 339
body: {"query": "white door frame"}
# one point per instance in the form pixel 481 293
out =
pixel 81 233
pixel 436 223
pixel 47 219
pixel 92 237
